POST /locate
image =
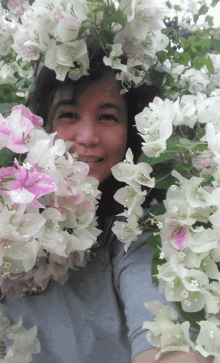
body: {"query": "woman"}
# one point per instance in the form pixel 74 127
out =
pixel 97 316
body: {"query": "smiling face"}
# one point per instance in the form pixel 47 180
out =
pixel 96 121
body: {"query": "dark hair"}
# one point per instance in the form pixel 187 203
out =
pixel 40 102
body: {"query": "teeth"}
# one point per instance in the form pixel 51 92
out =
pixel 89 160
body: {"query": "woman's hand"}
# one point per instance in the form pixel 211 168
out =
pixel 148 356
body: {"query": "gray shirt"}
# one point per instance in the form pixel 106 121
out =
pixel 97 316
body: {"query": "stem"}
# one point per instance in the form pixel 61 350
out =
pixel 163 177
pixel 37 65
pixel 182 133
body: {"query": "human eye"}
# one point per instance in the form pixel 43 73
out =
pixel 108 117
pixel 68 115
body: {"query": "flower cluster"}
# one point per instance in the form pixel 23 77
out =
pixel 165 331
pixel 7 30
pixel 48 175
pixel 195 80
pixel 131 197
pixel 187 13
pixel 16 72
pixel 189 230
pixel 202 80
pixel 168 334
pixel 25 343
pixel 37 245
pixel 58 32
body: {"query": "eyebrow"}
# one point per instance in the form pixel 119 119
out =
pixel 110 105
pixel 70 102
pixel 64 103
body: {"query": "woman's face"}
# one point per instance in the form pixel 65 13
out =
pixel 96 121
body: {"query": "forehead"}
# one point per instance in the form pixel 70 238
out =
pixel 106 90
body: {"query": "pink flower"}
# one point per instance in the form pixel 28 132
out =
pixel 178 235
pixel 36 120
pixel 156 100
pixel 18 138
pixel 24 51
pixel 203 160
pixel 8 171
pixel 13 4
pixel 29 186
pixel 16 7
pixel 18 127
pixel 5 126
pixel 60 15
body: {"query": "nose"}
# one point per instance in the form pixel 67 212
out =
pixel 87 132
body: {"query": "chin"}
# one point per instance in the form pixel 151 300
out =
pixel 100 178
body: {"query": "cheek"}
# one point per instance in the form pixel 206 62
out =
pixel 115 139
pixel 63 133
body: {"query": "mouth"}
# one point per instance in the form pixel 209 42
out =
pixel 91 160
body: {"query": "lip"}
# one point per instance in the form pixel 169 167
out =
pixel 91 161
pixel 86 157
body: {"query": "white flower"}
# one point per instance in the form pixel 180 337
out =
pixel 131 199
pixel 196 196
pixel 25 343
pixel 7 72
pixel 51 238
pixel 155 125
pixel 198 80
pixel 165 331
pixel 18 237
pixel 113 60
pixel 70 17
pixel 133 175
pixel 212 137
pixel 127 232
pixel 208 340
pixel 175 68
pixel 192 109
pixel 79 240
pixel 61 57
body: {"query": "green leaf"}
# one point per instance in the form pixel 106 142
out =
pixel 152 161
pixel 209 20
pixel 172 141
pixel 200 147
pixel 6 87
pixel 157 210
pixel 203 10
pixel 169 5
pixel 155 253
pixel 162 56
pixel 214 3
pixel 183 167
pixel 154 271
pixel 199 62
pixel 209 180
pixel 120 18
pixel 209 65
pixel 185 142
pixel 192 145
pixel 153 241
pixel 177 8
pixel 216 44
pixel 193 318
pixel 165 183
pixel 195 18
pixel 203 45
pixel 6 158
